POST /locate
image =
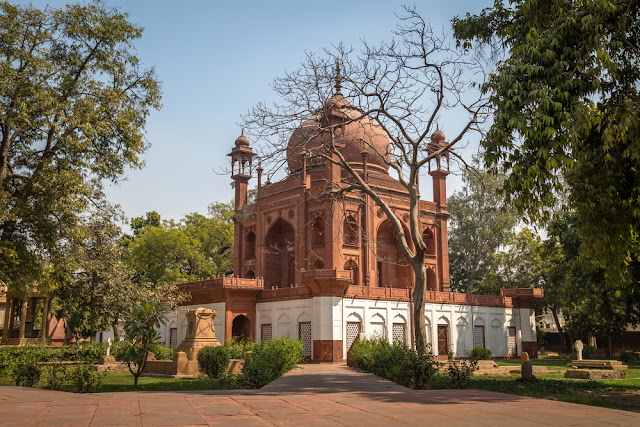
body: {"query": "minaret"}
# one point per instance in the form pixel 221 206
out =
pixel 439 169
pixel 241 168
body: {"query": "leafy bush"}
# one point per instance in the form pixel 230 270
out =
pixel 589 352
pixel 214 361
pixel 238 347
pixel 479 353
pixel 86 379
pixel 460 373
pixel 627 357
pixel 41 353
pixel 56 376
pixel 26 372
pixel 395 362
pixel 5 363
pixel 271 361
pixel 161 352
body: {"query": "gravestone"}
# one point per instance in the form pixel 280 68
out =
pixel 579 346
pixel 524 357
pixel 108 346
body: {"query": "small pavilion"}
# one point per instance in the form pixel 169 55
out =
pixel 25 317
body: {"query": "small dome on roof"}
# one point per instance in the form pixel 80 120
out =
pixel 437 136
pixel 242 140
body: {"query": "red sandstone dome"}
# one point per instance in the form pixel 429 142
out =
pixel 352 134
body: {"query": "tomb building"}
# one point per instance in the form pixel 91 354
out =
pixel 319 264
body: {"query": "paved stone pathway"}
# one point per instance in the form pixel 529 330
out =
pixel 314 395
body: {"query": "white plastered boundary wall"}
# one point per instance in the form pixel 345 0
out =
pixel 329 317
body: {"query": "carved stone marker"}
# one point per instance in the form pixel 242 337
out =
pixel 524 357
pixel 579 346
pixel 108 346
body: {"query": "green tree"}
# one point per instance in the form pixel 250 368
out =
pixel 479 225
pixel 567 114
pixel 198 246
pixel 99 290
pixel 74 102
pixel 517 265
pixel 140 329
pixel 574 284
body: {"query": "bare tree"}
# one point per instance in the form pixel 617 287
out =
pixel 393 92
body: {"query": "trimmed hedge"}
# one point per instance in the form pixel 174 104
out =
pixel 214 361
pixel 480 353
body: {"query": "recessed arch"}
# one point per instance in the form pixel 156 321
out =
pixel 392 267
pixel 317 231
pixel 432 280
pixel 304 317
pixel 350 232
pixel 429 240
pixel 250 245
pixel 241 327
pixel 250 274
pixel 283 319
pixel 280 255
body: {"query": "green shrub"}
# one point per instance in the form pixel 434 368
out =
pixel 161 352
pixel 627 357
pixel 238 347
pixel 5 363
pixel 214 361
pixel 86 379
pixel 479 353
pixel 395 362
pixel 271 361
pixel 26 372
pixel 56 376
pixel 589 352
pixel 460 373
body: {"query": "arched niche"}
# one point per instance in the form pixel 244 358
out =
pixel 250 274
pixel 392 267
pixel 241 327
pixel 429 240
pixel 432 280
pixel 279 255
pixel 350 232
pixel 250 245
pixel 318 264
pixel 317 232
pixel 351 265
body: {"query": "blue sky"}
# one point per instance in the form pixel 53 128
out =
pixel 216 59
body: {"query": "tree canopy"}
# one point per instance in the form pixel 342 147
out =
pixel 196 247
pixel 74 99
pixel 567 115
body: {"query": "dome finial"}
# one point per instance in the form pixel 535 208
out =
pixel 242 132
pixel 338 79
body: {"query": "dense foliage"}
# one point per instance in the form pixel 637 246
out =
pixel 270 361
pixel 86 353
pixel 566 101
pixel 480 353
pixel 214 361
pixel 75 99
pixel 196 247
pixel 395 362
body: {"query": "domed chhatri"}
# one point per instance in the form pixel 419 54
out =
pixel 242 140
pixel 438 136
pixel 353 135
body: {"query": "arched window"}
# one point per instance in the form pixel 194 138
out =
pixel 250 274
pixel 429 240
pixel 350 232
pixel 317 232
pixel 279 255
pixel 250 248
pixel 318 264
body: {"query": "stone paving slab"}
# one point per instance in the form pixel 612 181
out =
pixel 323 395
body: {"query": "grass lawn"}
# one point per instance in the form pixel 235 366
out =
pixel 620 394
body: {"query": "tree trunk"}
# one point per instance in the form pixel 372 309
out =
pixel 563 340
pixel 116 331
pixel 419 300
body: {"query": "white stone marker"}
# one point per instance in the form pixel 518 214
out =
pixel 579 346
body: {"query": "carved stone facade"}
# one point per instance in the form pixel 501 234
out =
pixel 306 243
